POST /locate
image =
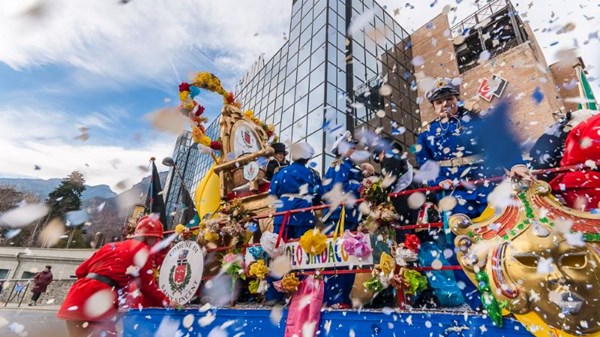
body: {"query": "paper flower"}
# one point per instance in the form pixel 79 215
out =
pixel 249 113
pixel 211 236
pixel 412 242
pixel 404 255
pixel 290 283
pixel 374 284
pixel 179 228
pixel 258 269
pixel 216 145
pixel 184 95
pixel 258 286
pixel 313 242
pixel 356 245
pixel 268 241
pixel 257 252
pixel 387 263
pixel 414 281
pixel 184 86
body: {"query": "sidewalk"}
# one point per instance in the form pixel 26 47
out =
pixel 24 306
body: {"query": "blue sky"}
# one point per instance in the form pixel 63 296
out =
pixel 67 64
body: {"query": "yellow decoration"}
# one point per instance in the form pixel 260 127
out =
pixel 210 236
pixel 199 137
pixel 179 229
pixel 258 269
pixel 387 263
pixel 184 95
pixel 210 82
pixel 313 242
pixel 188 105
pixel 195 232
pixel 271 127
pixel 249 113
pixel 290 283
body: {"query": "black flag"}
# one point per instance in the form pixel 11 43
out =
pixel 154 199
pixel 187 206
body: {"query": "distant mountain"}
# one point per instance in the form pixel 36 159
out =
pixel 42 188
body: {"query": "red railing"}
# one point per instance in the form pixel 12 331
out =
pixel 287 213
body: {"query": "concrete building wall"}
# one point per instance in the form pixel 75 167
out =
pixel 523 66
pixel 19 261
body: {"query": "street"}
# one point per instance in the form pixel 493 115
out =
pixel 31 323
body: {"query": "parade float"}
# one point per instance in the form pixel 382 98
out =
pixel 535 263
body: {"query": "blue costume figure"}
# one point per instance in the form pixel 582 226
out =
pixel 451 141
pixel 296 186
pixel 342 172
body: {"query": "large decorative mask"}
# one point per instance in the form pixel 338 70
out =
pixel 537 262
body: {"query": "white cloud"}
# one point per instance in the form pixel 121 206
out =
pixel 45 138
pixel 150 40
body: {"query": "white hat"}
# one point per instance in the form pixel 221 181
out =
pixel 301 150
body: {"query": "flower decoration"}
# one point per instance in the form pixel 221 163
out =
pixel 374 193
pixel 412 242
pixel 268 240
pixel 356 245
pixel 258 269
pixel 288 284
pixel 257 252
pixel 387 263
pixel 233 264
pixel 216 145
pixel 404 255
pixel 258 286
pixel 313 242
pixel 374 284
pixel 268 128
pixel 414 281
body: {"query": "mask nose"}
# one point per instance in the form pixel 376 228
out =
pixel 556 278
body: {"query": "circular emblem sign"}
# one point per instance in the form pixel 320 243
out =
pixel 251 170
pixel 181 271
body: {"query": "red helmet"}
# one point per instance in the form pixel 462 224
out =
pixel 148 226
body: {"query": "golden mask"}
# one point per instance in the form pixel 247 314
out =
pixel 537 262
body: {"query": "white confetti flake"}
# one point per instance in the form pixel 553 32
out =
pixel 416 200
pixel 188 321
pixel 545 266
pixel 308 329
pixel 447 203
pixel 99 303
pixel 418 61
pixel 24 215
pixel 207 320
pixel 357 23
pixel 385 90
pixel 280 266
pixel 141 257
pixel 436 264
pixel 51 234
pixel 276 314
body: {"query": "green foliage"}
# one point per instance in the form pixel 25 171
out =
pixel 67 196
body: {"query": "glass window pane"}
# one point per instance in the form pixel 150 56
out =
pixel 300 108
pixel 303 69
pixel 319 37
pixel 285 135
pixel 317 76
pixel 320 5
pixel 316 97
pixel 316 121
pixel 299 129
pixel 317 56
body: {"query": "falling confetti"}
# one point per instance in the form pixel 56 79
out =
pixel 99 303
pixel 537 95
pixel 24 215
pixel 51 234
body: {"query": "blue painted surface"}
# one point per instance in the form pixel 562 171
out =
pixel 258 323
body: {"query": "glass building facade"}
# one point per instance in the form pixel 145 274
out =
pixel 322 80
pixel 192 164
pixel 322 76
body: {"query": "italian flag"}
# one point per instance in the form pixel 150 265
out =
pixel 585 92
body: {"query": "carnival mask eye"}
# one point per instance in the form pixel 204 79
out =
pixel 573 260
pixel 528 260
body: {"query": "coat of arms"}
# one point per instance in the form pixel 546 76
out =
pixel 180 273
